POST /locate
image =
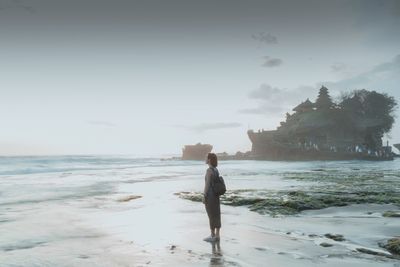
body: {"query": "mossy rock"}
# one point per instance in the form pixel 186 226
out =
pixel 128 198
pixel 391 214
pixel 334 237
pixel 373 252
pixel 192 196
pixel 393 246
pixel 295 201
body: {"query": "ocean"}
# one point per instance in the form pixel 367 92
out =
pixel 127 211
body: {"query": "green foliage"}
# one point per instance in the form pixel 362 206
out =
pixel 370 110
pixel 368 115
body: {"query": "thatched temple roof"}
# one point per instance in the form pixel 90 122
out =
pixel 304 106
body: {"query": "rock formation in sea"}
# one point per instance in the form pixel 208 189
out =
pixel 324 130
pixel 196 152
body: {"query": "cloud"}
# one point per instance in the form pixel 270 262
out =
pixel 384 76
pixel 266 92
pixel 16 4
pixel 203 127
pixel 265 38
pixel 102 123
pixel 264 109
pixel 276 101
pixel 394 64
pixel 272 62
pixel 338 67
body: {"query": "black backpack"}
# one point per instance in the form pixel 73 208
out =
pixel 218 184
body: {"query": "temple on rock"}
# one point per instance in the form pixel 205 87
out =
pixel 323 130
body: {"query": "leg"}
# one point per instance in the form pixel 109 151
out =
pixel 212 231
pixel 217 232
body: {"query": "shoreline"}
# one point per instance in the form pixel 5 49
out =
pixel 130 216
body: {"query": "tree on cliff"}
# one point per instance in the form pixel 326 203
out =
pixel 377 108
pixel 372 111
pixel 324 101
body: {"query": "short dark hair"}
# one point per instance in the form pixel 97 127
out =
pixel 213 159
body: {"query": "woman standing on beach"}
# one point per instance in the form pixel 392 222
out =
pixel 211 199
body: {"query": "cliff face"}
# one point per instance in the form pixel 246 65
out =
pixel 196 152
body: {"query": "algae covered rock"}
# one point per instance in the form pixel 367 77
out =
pixel 393 246
pixel 327 188
pixel 391 214
pixel 326 245
pixel 128 198
pixel 373 252
pixel 192 196
pixel 334 237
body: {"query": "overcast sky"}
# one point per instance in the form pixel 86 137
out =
pixel 147 77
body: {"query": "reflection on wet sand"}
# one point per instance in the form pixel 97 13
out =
pixel 216 258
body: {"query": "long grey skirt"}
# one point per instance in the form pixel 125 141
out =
pixel 213 209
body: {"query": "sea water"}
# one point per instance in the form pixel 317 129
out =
pixel 70 210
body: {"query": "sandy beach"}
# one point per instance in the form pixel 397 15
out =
pixel 127 214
